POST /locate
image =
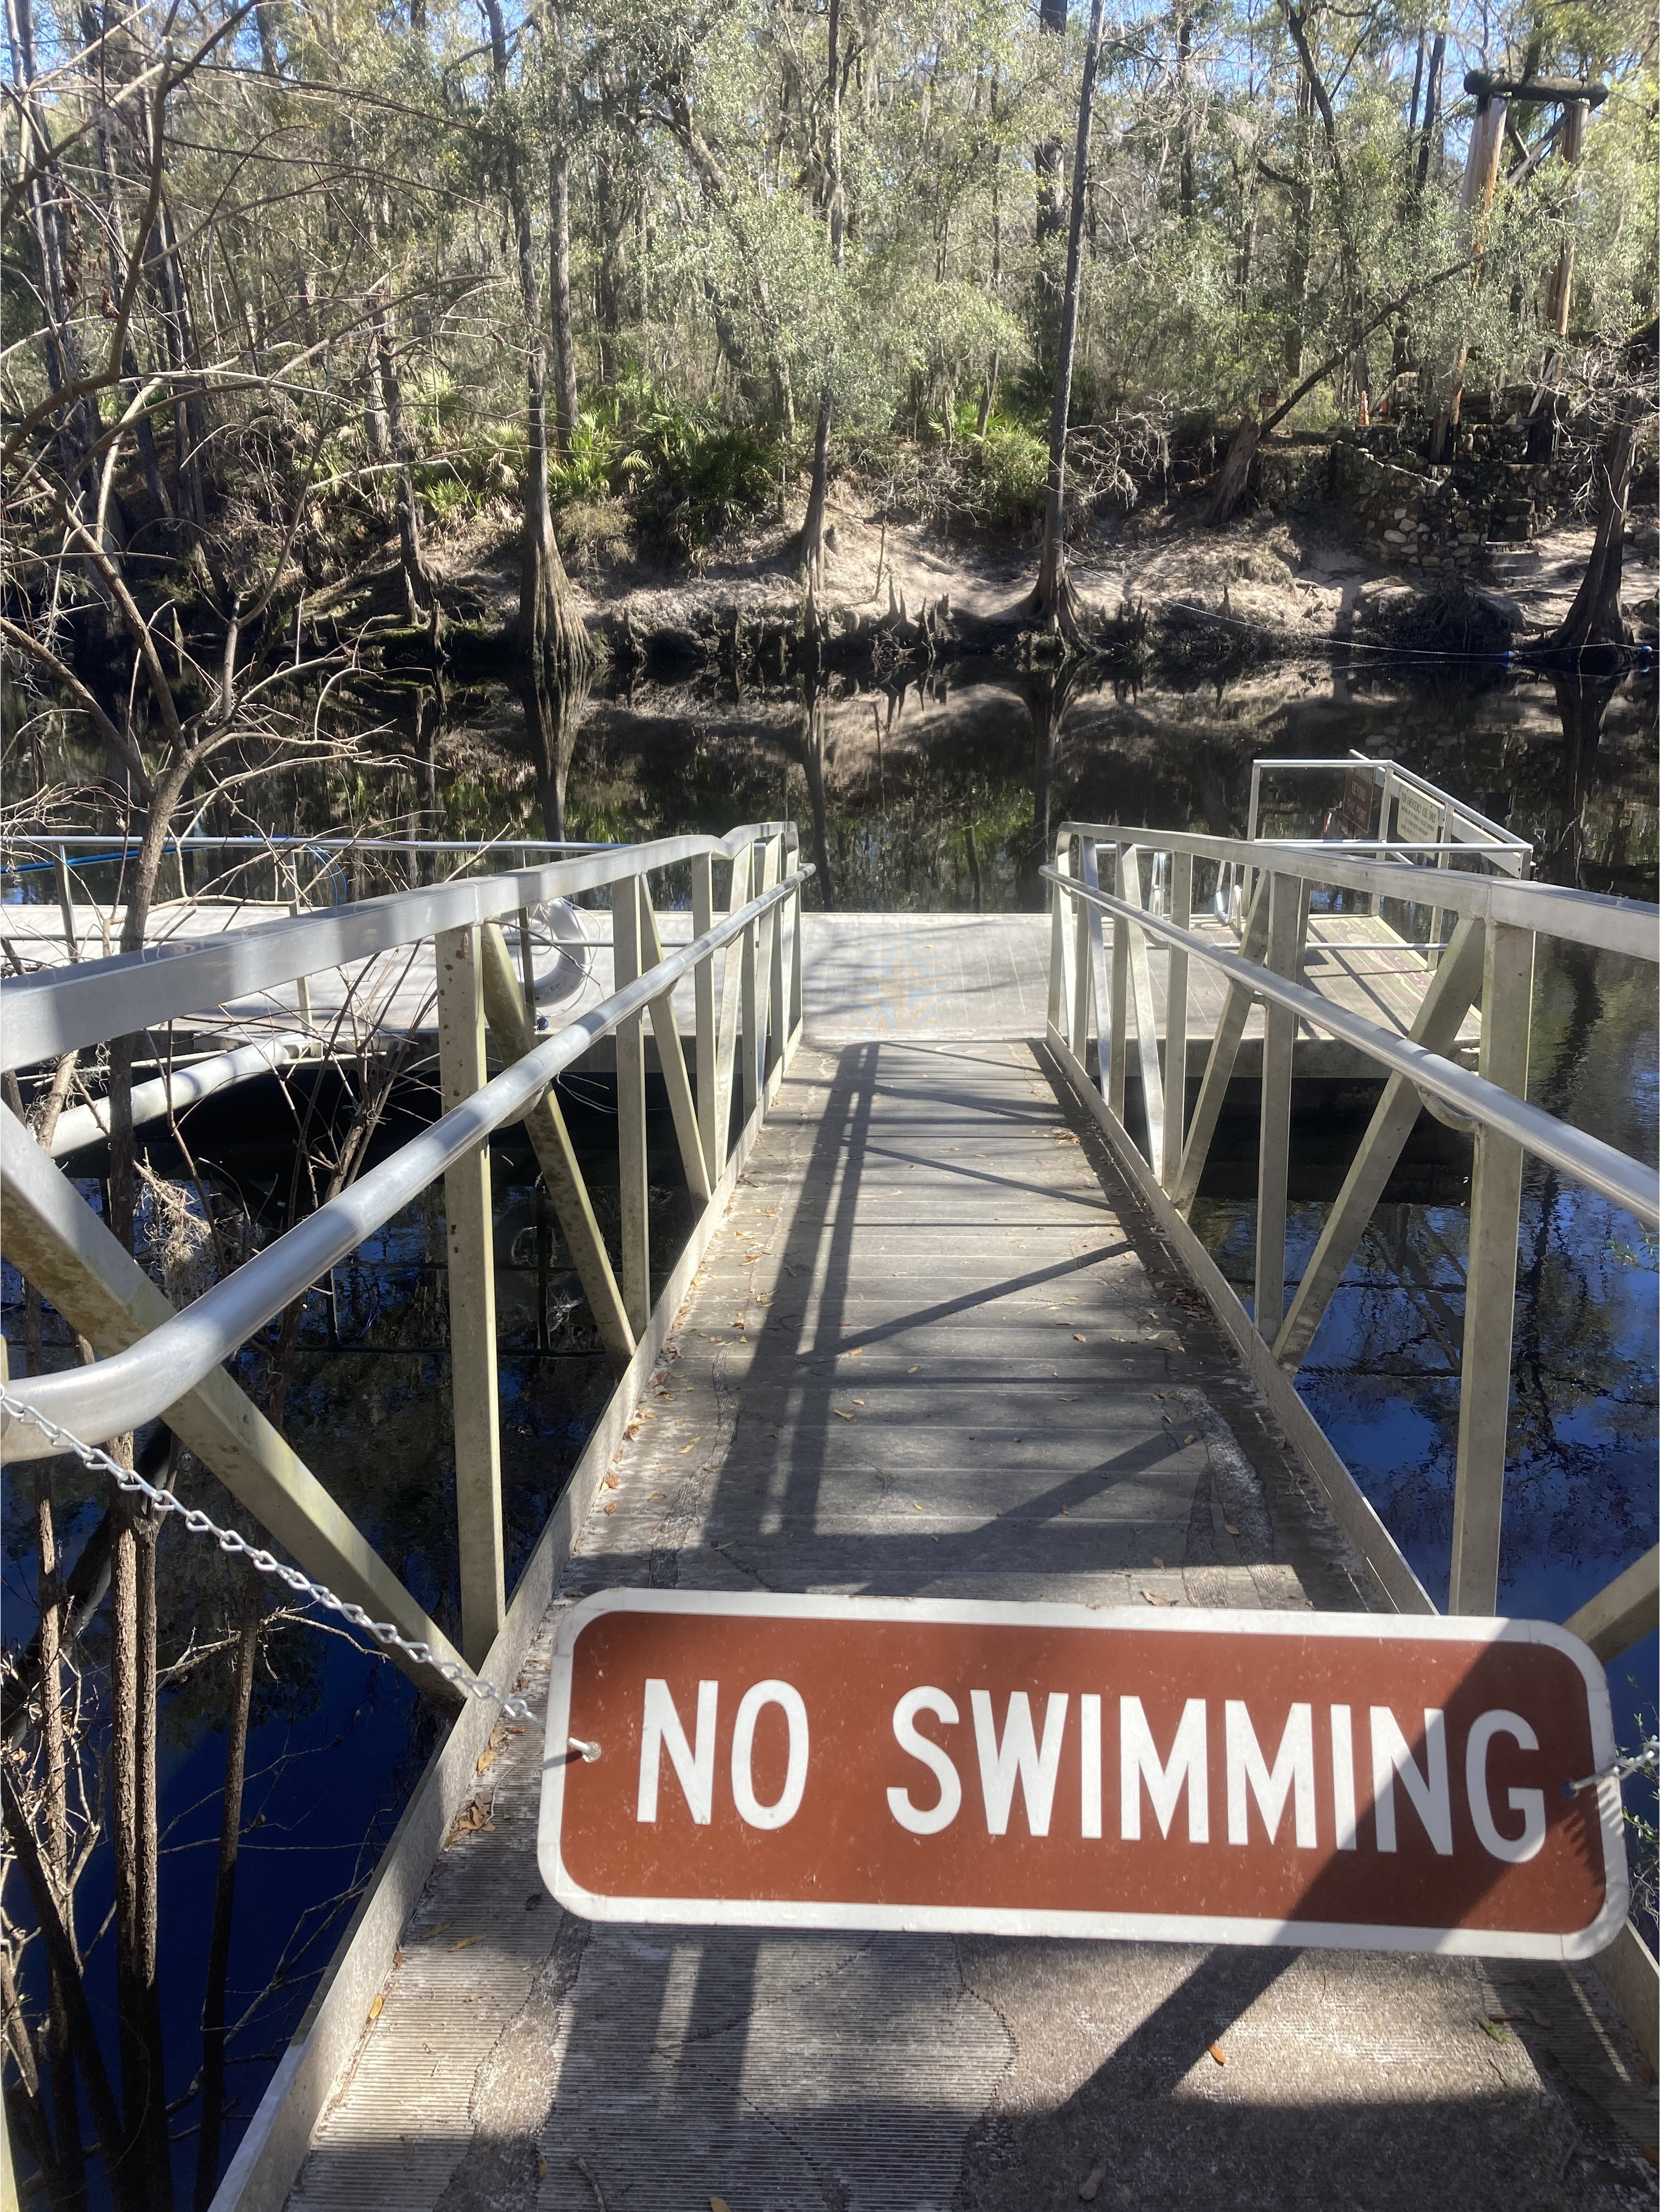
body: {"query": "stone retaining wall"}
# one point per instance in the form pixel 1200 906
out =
pixel 1407 515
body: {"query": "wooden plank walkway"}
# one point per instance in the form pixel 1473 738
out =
pixel 933 1349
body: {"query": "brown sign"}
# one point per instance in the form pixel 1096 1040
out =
pixel 815 1762
pixel 1359 802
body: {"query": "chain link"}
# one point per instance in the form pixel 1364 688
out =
pixel 229 1540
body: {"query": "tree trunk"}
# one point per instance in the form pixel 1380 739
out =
pixel 1051 601
pixel 1046 162
pixel 811 558
pixel 420 600
pixel 1595 616
pixel 1236 471
pixel 224 1896
pixel 549 627
pixel 554 713
pixel 564 343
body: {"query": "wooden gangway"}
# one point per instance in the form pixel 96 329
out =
pixel 941 1328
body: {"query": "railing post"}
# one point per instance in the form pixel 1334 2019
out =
pixel 1274 1143
pixel 1119 1016
pixel 702 920
pixel 1484 1387
pixel 1175 1023
pixel 1086 931
pixel 626 893
pixel 751 985
pixel 797 1013
pixel 773 1027
pixel 469 1248
pixel 1059 944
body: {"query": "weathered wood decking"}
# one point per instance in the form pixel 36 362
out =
pixel 933 1351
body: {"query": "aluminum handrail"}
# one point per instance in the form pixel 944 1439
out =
pixel 114 1395
pixel 1383 772
pixel 1629 1182
pixel 205 840
pixel 1609 925
pixel 58 1010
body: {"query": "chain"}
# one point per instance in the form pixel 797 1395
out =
pixel 267 1562
pixel 1647 1754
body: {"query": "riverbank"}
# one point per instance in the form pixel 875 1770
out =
pixel 1156 581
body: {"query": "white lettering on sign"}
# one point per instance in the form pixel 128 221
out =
pixel 1019 1756
pixel 1016 1759
pixel 1342 1778
pixel 1392 1759
pixel 1251 1776
pixel 1089 1764
pixel 1529 1803
pixel 1139 1762
pixel 696 1768
pixel 910 1739
pixel 752 1705
pixel 1417 819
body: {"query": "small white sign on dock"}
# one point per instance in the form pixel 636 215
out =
pixel 1418 818
pixel 1388 1784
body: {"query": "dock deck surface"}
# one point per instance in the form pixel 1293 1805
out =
pixel 934 1350
pixel 864 976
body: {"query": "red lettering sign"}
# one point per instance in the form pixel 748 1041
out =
pixel 1393 1783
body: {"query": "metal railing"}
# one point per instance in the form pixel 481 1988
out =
pixel 1104 1022
pixel 155 1361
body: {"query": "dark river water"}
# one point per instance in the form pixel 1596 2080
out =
pixel 943 796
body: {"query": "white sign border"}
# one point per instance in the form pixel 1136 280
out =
pixel 1124 1927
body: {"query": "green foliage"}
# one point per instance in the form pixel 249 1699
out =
pixel 693 475
pixel 1011 473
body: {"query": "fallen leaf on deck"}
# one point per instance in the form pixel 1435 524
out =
pixel 466 1943
pixel 486 1759
pixel 612 1508
pixel 428 1934
pixel 609 1483
pixel 1506 2015
pixel 1219 2054
pixel 1229 1526
pixel 840 1415
pixel 377 2008
pixel 719 2204
pixel 1499 2035
pixel 468 1821
pixel 632 1430
pixel 398 1957
pixel 1157 1562
pixel 1078 1340
pixel 856 1351
pixel 1090 2183
pixel 1190 1438
pixel 1153 1598
pixel 913 1371
pixel 657 1493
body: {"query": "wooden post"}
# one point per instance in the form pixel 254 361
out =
pixel 1484 1387
pixel 470 1250
pixel 1475 201
pixel 1273 1153
pixel 1175 1023
pixel 672 1059
pixel 625 897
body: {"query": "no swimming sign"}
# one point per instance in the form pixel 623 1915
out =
pixel 814 1762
